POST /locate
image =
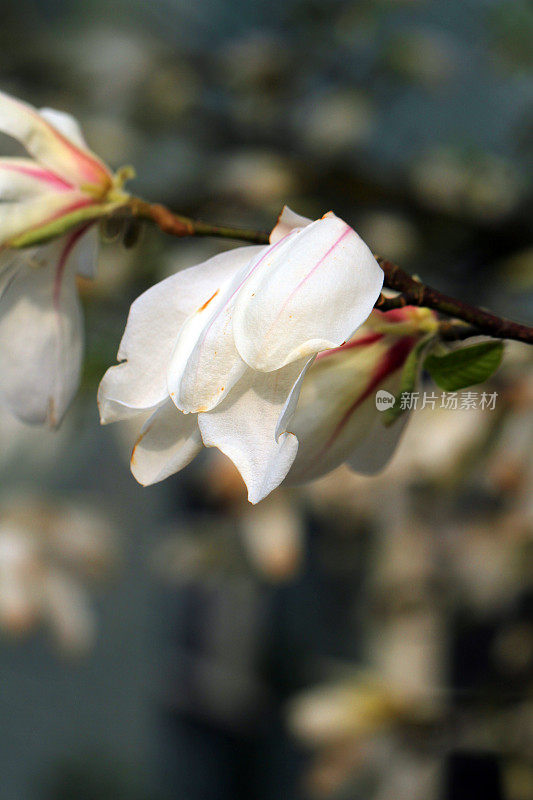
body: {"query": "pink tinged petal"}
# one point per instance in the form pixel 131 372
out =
pixel 205 364
pixel 288 220
pixel 65 124
pixel 244 427
pixel 49 146
pixel 154 322
pixel 353 344
pixel 310 294
pixel 169 441
pixel 337 420
pixel 18 218
pixel 41 334
pixel 22 178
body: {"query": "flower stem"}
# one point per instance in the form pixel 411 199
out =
pixel 412 291
pixel 177 225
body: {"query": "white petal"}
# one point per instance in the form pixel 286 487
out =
pixel 65 124
pixel 48 145
pixel 274 536
pixel 244 427
pixel 8 266
pixel 288 220
pixel 41 334
pixel 22 179
pixel 66 608
pixel 17 218
pixel 377 448
pixel 205 363
pixel 87 253
pixel 291 404
pixel 154 322
pixel 312 291
pixel 337 420
pixel 169 440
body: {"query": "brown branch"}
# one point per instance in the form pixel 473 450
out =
pixel 418 294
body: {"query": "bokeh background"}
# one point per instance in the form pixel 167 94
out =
pixel 358 639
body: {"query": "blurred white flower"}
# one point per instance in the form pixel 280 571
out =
pixel 273 535
pixel 49 204
pixel 482 186
pixel 390 233
pixel 331 713
pixel 47 553
pixel 256 177
pixel 335 122
pixel 218 352
pixel 18 600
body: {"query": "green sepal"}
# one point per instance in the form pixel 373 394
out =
pixel 408 380
pixel 58 227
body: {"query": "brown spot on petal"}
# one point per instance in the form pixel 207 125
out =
pixel 133 458
pixel 208 301
pixel 52 419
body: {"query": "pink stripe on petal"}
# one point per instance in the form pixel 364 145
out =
pixel 71 242
pixel 311 271
pixel 393 360
pixel 41 174
pixel 317 265
pixel 75 206
pixel 72 207
pixel 396 314
pixel 91 169
pixel 364 341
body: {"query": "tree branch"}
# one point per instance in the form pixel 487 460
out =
pixel 415 293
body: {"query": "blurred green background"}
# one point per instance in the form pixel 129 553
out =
pixel 362 639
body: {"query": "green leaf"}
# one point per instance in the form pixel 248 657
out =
pixel 466 366
pixel 408 381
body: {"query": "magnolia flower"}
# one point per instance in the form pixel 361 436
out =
pixel 49 555
pixel 336 419
pixel 217 353
pixel 48 204
pixel 330 713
